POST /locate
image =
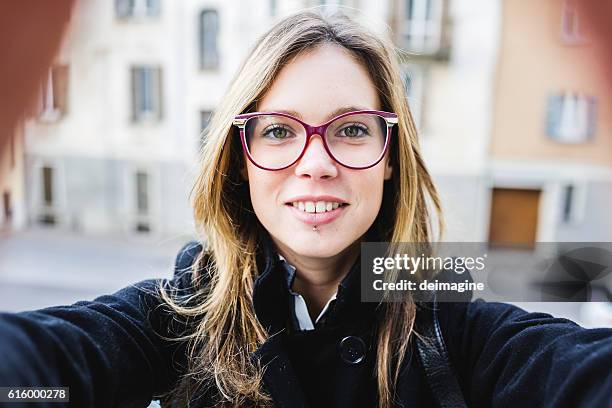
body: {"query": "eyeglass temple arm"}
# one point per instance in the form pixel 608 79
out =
pixel 239 122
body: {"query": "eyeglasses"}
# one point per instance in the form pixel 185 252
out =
pixel 275 140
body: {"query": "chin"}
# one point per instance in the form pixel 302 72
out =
pixel 316 247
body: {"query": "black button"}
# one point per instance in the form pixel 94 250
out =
pixel 352 350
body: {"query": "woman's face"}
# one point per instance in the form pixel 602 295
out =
pixel 314 85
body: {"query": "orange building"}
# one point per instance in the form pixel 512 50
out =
pixel 551 136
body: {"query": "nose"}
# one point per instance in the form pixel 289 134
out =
pixel 316 163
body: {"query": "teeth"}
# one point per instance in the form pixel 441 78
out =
pixel 315 207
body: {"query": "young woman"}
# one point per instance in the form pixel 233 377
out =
pixel 312 150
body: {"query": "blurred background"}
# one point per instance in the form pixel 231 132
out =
pixel 511 99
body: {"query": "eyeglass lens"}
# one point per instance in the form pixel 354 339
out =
pixel 276 141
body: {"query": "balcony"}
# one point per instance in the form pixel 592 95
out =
pixel 422 28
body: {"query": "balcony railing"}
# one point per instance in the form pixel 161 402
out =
pixel 423 28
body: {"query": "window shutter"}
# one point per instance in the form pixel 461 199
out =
pixel 135 93
pixel 142 193
pixel 124 8
pixel 553 115
pixel 43 96
pixel 209 30
pixel 60 89
pixel 571 117
pixel 158 92
pixel 46 100
pixel 153 8
pixel 592 117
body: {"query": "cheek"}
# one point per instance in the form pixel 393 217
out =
pixel 370 187
pixel 367 187
pixel 263 188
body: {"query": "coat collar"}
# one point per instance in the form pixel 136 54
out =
pixel 271 303
pixel 271 296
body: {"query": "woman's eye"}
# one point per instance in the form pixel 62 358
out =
pixel 276 132
pixel 354 131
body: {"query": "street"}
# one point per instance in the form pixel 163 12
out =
pixel 40 268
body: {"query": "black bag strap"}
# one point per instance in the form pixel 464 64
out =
pixel 434 358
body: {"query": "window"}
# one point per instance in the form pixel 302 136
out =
pixel 571 117
pixel 568 195
pixel 205 117
pixel 142 201
pixel 273 7
pixel 8 209
pixel 209 32
pixel 573 202
pixel 422 28
pixel 146 94
pixel 128 9
pixel 142 193
pixel 54 96
pixel 47 216
pixel 414 78
pixel 47 177
pixel 572 30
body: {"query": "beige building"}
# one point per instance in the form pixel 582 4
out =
pixel 551 138
pixel 511 121
pixel 115 146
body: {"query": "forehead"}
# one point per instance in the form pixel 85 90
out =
pixel 319 82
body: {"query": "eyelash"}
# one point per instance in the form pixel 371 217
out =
pixel 271 128
pixel 267 131
pixel 359 126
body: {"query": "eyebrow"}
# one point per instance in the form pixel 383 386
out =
pixel 333 114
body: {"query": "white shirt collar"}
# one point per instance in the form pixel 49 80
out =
pixel 301 310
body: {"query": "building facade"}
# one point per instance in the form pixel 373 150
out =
pixel 551 145
pixel 510 116
pixel 114 148
pixel 449 53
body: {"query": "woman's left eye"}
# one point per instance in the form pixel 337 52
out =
pixel 354 131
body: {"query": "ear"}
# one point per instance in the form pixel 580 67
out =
pixel 388 168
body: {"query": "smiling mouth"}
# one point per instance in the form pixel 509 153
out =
pixel 315 207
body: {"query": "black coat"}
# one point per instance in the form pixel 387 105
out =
pixel 109 352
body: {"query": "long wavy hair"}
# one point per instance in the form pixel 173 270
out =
pixel 226 330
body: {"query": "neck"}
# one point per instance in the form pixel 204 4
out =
pixel 317 279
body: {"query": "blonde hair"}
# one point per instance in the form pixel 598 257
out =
pixel 227 330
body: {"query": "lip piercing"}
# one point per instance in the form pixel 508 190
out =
pixel 314 228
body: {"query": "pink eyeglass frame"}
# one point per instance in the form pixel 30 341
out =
pixel 241 120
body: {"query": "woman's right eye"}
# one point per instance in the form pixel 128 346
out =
pixel 276 132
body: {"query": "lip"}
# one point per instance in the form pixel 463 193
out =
pixel 317 218
pixel 328 198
